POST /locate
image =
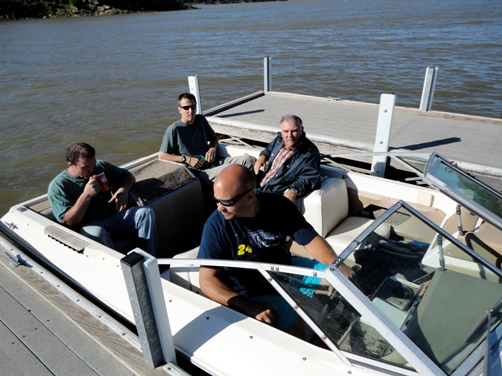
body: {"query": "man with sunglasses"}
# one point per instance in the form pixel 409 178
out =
pixel 254 226
pixel 291 163
pixel 192 141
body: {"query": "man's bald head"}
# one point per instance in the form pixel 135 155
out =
pixel 235 178
pixel 234 191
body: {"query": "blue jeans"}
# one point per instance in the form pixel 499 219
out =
pixel 138 220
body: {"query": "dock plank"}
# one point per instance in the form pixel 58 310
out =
pixel 57 334
pixel 16 358
pixel 348 125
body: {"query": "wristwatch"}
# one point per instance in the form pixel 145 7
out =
pixel 183 159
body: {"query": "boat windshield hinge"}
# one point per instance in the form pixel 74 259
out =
pixel 459 220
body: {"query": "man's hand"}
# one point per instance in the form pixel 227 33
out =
pixel 263 311
pixel 75 214
pixel 214 288
pixel 211 155
pixel 290 195
pixel 92 188
pixel 121 199
pixel 259 164
pixel 349 273
pixel 195 162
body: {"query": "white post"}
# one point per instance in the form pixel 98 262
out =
pixel 267 74
pixel 428 89
pixel 382 139
pixel 193 85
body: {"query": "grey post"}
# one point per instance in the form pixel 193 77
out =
pixel 382 139
pixel 428 89
pixel 141 275
pixel 193 85
pixel 267 74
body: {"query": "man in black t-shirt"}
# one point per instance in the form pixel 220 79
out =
pixel 253 226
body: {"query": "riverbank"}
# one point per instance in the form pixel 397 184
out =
pixel 16 9
pixel 19 9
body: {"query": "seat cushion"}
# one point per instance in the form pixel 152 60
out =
pixel 325 207
pixel 345 232
pixel 185 276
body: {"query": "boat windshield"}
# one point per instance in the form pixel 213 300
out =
pixel 465 188
pixel 420 281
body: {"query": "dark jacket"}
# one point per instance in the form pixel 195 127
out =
pixel 300 172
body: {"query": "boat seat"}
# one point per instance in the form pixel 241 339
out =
pixel 170 188
pixel 225 150
pixel 443 322
pixel 185 276
pixel 327 210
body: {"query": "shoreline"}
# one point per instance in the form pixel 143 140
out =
pixel 13 11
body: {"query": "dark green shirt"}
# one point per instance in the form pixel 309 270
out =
pixel 190 140
pixel 65 189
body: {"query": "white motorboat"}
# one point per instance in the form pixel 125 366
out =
pixel 427 258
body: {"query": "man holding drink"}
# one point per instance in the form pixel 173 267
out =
pixel 92 196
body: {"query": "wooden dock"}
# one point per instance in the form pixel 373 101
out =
pixel 346 125
pixel 45 332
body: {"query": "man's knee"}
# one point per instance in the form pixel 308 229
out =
pixel 248 161
pixel 97 233
pixel 144 213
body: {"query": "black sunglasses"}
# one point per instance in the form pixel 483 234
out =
pixel 186 108
pixel 234 200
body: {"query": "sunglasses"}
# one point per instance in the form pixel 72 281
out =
pixel 186 108
pixel 234 200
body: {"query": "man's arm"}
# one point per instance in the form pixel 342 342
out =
pixel 213 146
pixel 260 162
pixel 192 161
pixel 121 196
pixel 322 251
pixel 213 287
pixel 170 157
pixel 265 153
pixel 76 213
pixel 308 173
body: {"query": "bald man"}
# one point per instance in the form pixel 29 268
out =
pixel 253 226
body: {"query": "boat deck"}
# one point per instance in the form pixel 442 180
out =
pixel 348 125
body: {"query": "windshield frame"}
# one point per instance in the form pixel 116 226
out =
pixel 394 208
pixel 404 345
pixel 436 164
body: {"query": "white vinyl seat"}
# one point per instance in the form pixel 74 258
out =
pixel 185 276
pixel 327 210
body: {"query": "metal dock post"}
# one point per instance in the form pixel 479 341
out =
pixel 141 273
pixel 267 74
